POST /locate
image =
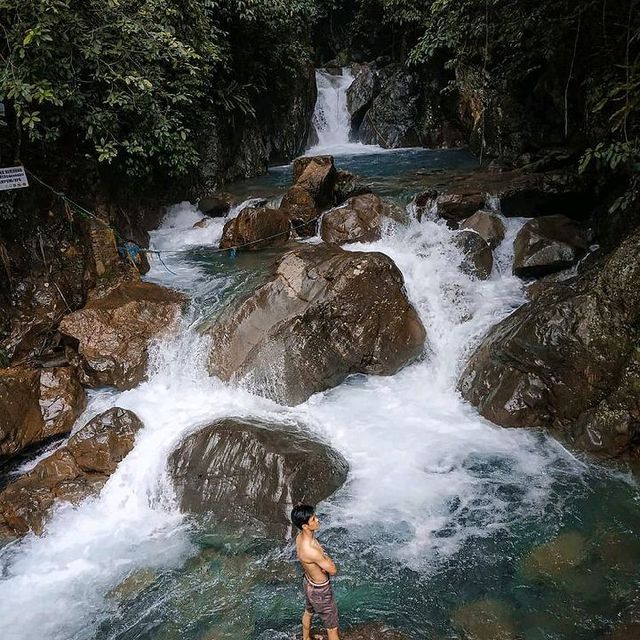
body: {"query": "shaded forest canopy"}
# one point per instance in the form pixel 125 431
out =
pixel 125 91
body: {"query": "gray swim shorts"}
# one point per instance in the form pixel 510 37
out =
pixel 320 599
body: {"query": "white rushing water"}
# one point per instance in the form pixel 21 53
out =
pixel 409 440
pixel 331 120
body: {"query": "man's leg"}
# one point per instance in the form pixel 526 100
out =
pixel 332 634
pixel 306 625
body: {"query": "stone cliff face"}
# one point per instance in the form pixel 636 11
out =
pixel 276 134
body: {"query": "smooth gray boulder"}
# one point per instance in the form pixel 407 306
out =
pixel 326 313
pixel 546 245
pixel 248 473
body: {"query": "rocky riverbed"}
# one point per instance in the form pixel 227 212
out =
pixel 324 366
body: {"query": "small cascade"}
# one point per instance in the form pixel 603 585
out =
pixel 331 120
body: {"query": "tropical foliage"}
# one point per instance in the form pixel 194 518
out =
pixel 126 82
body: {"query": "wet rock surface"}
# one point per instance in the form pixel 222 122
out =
pixel 71 473
pixel 316 175
pixel 513 193
pixel 325 314
pixel 569 360
pixel 548 244
pixel 488 225
pixel 36 405
pixel 112 333
pixel 391 121
pixel 359 219
pixel 348 186
pixel 451 207
pixel 251 473
pixel 300 208
pixel 360 94
pixel 215 206
pixel 256 228
pixel 477 258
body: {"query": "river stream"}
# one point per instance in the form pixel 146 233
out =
pixel 441 525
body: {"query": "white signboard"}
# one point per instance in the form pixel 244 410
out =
pixel 13 178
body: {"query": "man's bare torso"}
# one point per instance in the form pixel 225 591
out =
pixel 306 550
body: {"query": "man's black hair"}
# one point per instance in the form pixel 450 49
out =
pixel 301 513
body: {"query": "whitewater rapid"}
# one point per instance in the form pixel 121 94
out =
pixel 409 439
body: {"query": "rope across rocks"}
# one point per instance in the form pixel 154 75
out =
pixel 230 250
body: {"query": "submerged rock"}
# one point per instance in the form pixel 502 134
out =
pixel 112 333
pixel 569 360
pixel 252 473
pixel 326 313
pixel 556 557
pixel 477 258
pixel 372 631
pixel 37 404
pixel 488 225
pixel 485 620
pixel 70 474
pixel 256 229
pixel 548 244
pixel 359 219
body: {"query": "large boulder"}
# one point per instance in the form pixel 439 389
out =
pixel 548 244
pixel 361 92
pixel 70 474
pixel 477 259
pixel 392 119
pixel 568 360
pixel 252 473
pixel 325 314
pixel 488 225
pixel 254 229
pixel 112 333
pixel 215 206
pixel 36 405
pixel 300 208
pixel 316 175
pixel 451 207
pixel 359 219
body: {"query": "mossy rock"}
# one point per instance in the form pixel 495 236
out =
pixel 486 619
pixel 555 558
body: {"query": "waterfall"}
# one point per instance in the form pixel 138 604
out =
pixel 331 119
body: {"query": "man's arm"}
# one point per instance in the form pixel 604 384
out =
pixel 323 561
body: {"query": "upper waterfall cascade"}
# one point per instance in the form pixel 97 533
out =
pixel 331 120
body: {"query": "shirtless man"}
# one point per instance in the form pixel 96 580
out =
pixel 317 566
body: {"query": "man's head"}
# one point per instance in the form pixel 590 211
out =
pixel 304 517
